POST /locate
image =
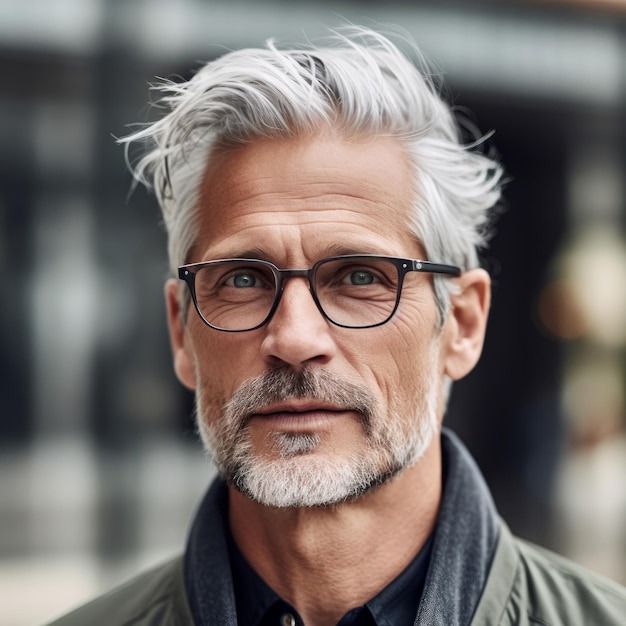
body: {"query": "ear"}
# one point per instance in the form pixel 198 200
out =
pixel 179 336
pixel 464 330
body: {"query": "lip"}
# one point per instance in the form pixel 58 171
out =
pixel 299 407
pixel 299 415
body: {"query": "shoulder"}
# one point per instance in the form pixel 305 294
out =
pixel 156 596
pixel 532 586
pixel 561 590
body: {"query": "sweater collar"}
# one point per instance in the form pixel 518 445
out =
pixel 465 539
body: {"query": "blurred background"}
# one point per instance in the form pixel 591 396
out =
pixel 100 468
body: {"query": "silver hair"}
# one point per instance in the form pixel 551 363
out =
pixel 357 82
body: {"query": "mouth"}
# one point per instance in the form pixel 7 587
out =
pixel 298 415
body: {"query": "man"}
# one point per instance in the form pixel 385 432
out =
pixel 323 220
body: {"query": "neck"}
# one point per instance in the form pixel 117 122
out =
pixel 347 553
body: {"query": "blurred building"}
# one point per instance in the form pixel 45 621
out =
pixel 99 465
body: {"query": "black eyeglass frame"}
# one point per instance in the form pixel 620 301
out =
pixel 187 273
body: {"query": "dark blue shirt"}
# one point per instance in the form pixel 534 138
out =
pixel 395 605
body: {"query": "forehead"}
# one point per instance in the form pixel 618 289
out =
pixel 315 193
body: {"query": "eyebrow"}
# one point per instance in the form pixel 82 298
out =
pixel 251 253
pixel 344 250
pixel 331 250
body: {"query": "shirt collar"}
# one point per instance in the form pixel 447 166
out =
pixel 258 604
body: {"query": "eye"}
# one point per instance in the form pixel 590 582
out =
pixel 243 280
pixel 360 277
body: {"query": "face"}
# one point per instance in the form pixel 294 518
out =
pixel 300 412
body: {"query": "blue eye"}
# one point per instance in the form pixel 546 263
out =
pixel 360 277
pixel 243 280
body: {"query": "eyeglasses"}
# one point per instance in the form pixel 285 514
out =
pixel 353 291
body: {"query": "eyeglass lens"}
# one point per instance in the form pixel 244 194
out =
pixel 239 295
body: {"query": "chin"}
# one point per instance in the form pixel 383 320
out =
pixel 311 478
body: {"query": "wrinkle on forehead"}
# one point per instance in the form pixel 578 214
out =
pixel 246 172
pixel 308 190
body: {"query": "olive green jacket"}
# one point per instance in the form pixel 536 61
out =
pixel 526 586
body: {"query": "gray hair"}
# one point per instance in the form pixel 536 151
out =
pixel 358 82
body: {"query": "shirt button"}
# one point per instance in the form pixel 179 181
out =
pixel 287 619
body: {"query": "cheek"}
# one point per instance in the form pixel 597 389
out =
pixel 223 362
pixel 398 361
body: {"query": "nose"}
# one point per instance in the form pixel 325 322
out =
pixel 297 334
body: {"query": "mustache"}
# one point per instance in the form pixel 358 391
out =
pixel 284 383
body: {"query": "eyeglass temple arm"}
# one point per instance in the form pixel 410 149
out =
pixel 436 268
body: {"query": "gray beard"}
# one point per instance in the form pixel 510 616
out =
pixel 298 477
